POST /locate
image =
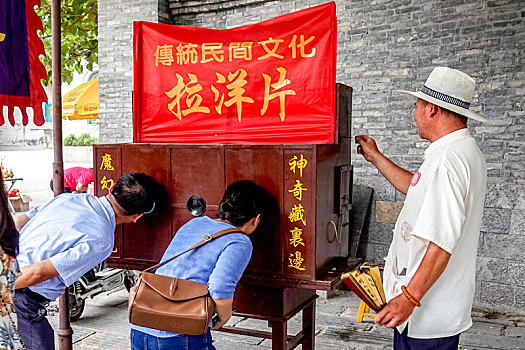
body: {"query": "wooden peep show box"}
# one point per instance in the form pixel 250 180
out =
pixel 303 243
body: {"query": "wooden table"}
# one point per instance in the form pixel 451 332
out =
pixel 12 180
pixel 277 306
pixel 277 300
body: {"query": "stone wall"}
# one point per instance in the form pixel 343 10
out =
pixel 115 34
pixel 385 45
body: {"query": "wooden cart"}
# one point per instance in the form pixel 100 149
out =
pixel 301 248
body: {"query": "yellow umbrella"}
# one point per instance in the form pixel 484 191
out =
pixel 81 102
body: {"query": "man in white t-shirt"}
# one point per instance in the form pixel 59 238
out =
pixel 430 268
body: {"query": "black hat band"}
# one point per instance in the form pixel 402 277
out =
pixel 445 98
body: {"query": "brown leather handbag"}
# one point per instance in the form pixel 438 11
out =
pixel 173 304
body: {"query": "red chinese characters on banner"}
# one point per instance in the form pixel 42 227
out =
pixel 265 83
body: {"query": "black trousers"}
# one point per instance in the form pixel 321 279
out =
pixel 33 326
pixel 403 342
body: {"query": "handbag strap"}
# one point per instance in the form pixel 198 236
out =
pixel 205 240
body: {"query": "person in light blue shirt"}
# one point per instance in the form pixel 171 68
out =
pixel 219 263
pixel 66 237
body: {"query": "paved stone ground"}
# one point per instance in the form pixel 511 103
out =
pixel 104 325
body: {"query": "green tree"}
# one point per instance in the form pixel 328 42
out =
pixel 79 36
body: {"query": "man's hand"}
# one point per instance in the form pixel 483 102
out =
pixel 431 267
pixel 397 176
pixel 80 188
pixel 395 312
pixel 367 147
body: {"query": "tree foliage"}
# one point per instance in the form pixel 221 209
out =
pixel 82 140
pixel 79 36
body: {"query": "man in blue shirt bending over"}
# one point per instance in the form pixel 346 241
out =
pixel 66 237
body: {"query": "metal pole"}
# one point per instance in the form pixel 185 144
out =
pixel 65 333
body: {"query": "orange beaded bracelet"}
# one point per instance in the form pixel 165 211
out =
pixel 410 297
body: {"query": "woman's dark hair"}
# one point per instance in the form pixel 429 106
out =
pixel 139 193
pixel 8 232
pixel 242 201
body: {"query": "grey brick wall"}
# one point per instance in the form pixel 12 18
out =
pixel 384 45
pixel 115 31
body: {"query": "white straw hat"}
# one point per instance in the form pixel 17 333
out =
pixel 451 89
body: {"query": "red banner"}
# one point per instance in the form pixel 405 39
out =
pixel 20 68
pixel 270 82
